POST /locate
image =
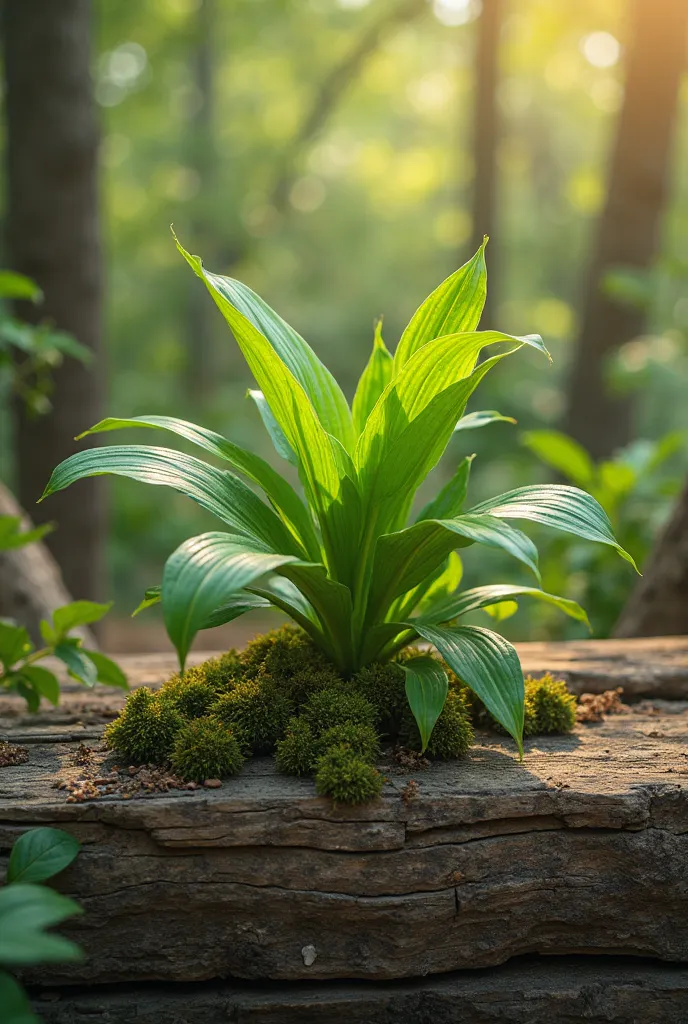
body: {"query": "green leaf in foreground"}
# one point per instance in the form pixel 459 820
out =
pixel 41 853
pixel 426 690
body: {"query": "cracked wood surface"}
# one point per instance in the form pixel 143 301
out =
pixel 582 848
pixel 532 991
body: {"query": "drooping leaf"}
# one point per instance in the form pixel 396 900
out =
pixel 78 613
pixel 240 305
pixel 277 436
pixel 489 665
pixel 455 305
pixel 278 490
pixel 456 605
pixel 451 498
pixel 40 853
pixel 25 911
pixel 559 506
pixel 374 379
pixel 475 420
pixel 108 671
pixel 218 491
pixel 562 453
pixel 202 575
pixel 426 689
pixel 78 663
pixel 43 681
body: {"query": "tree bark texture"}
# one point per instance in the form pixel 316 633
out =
pixel 485 140
pixel 659 604
pixel 627 232
pixel 53 236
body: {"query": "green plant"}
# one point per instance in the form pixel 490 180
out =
pixel 636 491
pixel 206 749
pixel 347 777
pixel 28 908
pixel 453 733
pixel 296 753
pixel 345 565
pixel 259 714
pixel 146 728
pixel 549 706
pixel 20 673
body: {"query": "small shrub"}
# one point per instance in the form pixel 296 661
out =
pixel 337 706
pixel 296 753
pixel 550 708
pixel 453 734
pixel 345 776
pixel 146 728
pixel 206 749
pixel 258 714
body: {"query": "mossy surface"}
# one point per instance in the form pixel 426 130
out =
pixel 337 705
pixel 384 686
pixel 346 777
pixel 287 661
pixel 296 753
pixel 146 728
pixel 206 749
pixel 259 714
pixel 550 708
pixel 453 734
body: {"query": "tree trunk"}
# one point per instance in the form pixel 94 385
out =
pixel 53 236
pixel 485 139
pixel 659 603
pixel 628 227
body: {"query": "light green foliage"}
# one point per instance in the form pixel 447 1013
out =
pixel 549 706
pixel 206 749
pixel 346 777
pixel 28 908
pixel 337 706
pixel 342 559
pixel 453 734
pixel 296 753
pixel 146 728
pixel 19 672
pixel 258 714
pixel 191 694
pixel 362 739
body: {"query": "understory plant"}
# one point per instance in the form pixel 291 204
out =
pixel 348 559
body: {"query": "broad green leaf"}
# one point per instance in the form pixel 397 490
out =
pixel 15 643
pixel 26 690
pixel 43 681
pixel 562 453
pixel 240 306
pixel 202 575
pixel 451 498
pixel 489 665
pixel 11 538
pixel 152 596
pixel 278 490
pixel 25 911
pixel 404 559
pixel 79 665
pixel 502 610
pixel 15 1002
pixel 283 594
pixel 234 608
pixel 41 853
pixel 218 491
pixel 108 671
pixel 456 305
pixel 426 691
pixel 277 436
pixel 18 286
pixel 374 379
pixel 440 583
pixel 559 506
pixel 332 604
pixel 78 613
pixel 475 420
pixel 482 597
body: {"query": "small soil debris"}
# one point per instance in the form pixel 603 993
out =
pixel 411 760
pixel 83 756
pixel 212 783
pixel 592 707
pixel 410 792
pixel 11 754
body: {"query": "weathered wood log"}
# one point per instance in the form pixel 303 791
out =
pixel 566 990
pixel 581 849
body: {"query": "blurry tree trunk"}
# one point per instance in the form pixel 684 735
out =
pixel 31 586
pixel 53 236
pixel 203 159
pixel 659 604
pixel 485 140
pixel 628 227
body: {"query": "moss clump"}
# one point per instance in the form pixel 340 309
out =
pixel 191 694
pixel 223 672
pixel 549 706
pixel 453 733
pixel 343 775
pixel 258 714
pixel 337 706
pixel 289 662
pixel 206 749
pixel 146 728
pixel 384 686
pixel 296 753
pixel 362 739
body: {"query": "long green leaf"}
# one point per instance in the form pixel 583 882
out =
pixel 374 379
pixel 426 690
pixel 333 605
pixel 451 498
pixel 218 491
pixel 559 506
pixel 202 575
pixel 277 436
pixel 489 665
pixel 562 453
pixel 278 490
pixel 453 606
pixel 475 420
pixel 455 305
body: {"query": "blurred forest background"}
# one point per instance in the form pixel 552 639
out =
pixel 342 157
